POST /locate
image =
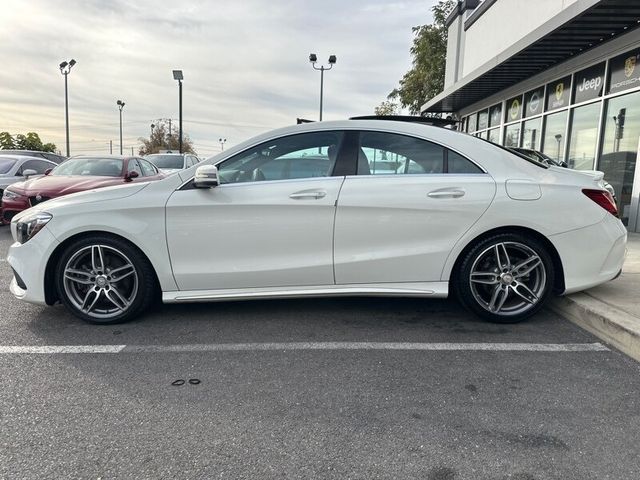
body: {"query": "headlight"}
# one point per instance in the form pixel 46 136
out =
pixel 28 226
pixel 9 195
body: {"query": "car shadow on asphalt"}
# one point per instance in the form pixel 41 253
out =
pixel 318 319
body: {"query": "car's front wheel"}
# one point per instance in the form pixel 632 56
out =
pixel 505 278
pixel 103 279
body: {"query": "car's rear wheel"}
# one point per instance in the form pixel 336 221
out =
pixel 104 280
pixel 505 278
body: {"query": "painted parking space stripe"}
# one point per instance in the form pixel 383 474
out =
pixel 296 346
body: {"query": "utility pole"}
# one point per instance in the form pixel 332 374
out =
pixel 110 147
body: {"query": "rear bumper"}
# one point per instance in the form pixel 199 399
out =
pixel 591 255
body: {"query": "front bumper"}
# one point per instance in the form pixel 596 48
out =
pixel 29 261
pixel 591 255
pixel 11 208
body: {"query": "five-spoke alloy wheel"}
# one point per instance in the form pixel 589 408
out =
pixel 505 278
pixel 104 279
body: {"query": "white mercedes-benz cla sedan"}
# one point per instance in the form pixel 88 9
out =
pixel 304 211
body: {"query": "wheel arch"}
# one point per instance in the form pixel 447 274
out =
pixel 50 294
pixel 558 281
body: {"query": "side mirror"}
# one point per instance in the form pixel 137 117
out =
pixel 131 175
pixel 206 177
pixel 28 173
pixel 48 171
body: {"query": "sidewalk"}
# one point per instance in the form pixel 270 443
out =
pixel 610 311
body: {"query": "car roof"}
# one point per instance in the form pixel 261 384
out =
pixel 103 157
pixel 23 157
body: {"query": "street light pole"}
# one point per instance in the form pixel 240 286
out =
pixel 65 68
pixel 222 142
pixel 177 75
pixel 120 104
pixel 313 58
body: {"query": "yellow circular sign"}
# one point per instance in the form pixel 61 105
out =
pixel 514 111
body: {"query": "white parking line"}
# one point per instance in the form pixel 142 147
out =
pixel 50 349
pixel 289 346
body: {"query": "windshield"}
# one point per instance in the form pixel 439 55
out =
pixel 166 161
pixel 6 164
pixel 99 167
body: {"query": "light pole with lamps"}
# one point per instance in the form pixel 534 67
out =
pixel 65 68
pixel 558 138
pixel 177 75
pixel 222 142
pixel 120 104
pixel 313 58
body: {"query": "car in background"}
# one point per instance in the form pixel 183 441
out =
pixel 499 231
pixel 547 160
pixel 52 157
pixel 15 168
pixel 75 175
pixel 169 163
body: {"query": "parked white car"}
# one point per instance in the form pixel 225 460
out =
pixel 169 163
pixel 297 212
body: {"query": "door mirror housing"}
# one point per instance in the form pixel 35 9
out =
pixel 29 173
pixel 48 171
pixel 131 175
pixel 206 177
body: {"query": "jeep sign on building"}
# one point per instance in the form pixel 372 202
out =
pixel 558 76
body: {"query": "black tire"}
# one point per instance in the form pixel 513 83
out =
pixel 127 294
pixel 504 295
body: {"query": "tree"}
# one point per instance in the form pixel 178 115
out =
pixel 30 141
pixel 162 139
pixel 6 141
pixel 425 79
pixel 387 108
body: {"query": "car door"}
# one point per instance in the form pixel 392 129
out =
pixel 134 166
pixel 149 170
pixel 265 225
pixel 409 203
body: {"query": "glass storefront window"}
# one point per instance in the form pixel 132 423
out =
pixel 531 133
pixel 472 123
pixel 494 135
pixel 554 132
pixel 495 113
pixel 583 136
pixel 512 135
pixel 620 147
pixel 483 119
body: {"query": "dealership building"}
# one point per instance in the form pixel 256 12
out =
pixel 557 76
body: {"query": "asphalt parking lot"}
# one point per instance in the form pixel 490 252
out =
pixel 330 388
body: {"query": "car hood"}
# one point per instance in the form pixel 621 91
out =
pixel 55 186
pixel 88 196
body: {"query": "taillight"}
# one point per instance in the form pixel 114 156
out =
pixel 602 198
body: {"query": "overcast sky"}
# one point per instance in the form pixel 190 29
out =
pixel 244 62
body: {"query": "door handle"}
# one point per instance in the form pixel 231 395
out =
pixel 308 195
pixel 447 193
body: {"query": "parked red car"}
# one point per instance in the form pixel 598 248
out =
pixel 76 175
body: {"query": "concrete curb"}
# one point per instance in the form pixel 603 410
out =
pixel 616 327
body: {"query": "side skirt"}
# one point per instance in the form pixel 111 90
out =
pixel 425 289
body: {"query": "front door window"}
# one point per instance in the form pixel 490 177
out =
pixel 305 155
